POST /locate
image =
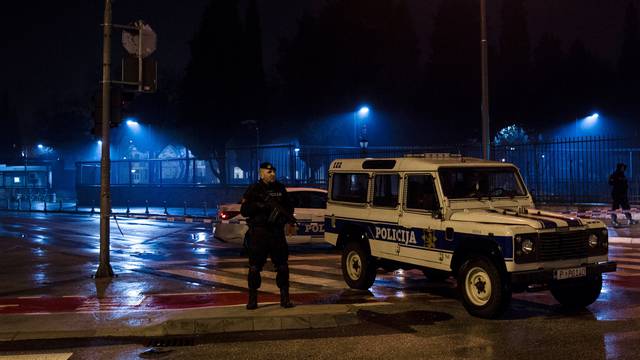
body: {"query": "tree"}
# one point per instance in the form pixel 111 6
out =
pixel 512 96
pixel 354 51
pixel 550 83
pixel 10 136
pixel 213 98
pixel 629 61
pixel 453 74
pixel 256 87
pixel 511 135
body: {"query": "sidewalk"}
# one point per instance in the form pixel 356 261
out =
pixel 183 322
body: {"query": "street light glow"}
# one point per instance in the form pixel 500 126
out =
pixel 363 112
pixel 591 120
pixel 40 146
pixel 132 123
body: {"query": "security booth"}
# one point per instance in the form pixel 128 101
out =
pixel 25 181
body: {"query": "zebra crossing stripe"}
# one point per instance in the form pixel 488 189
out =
pixel 322 269
pixel 625 259
pixel 625 273
pixel 207 276
pixel 50 356
pixel 309 280
pixel 627 266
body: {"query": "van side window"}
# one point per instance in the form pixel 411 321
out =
pixel 421 193
pixel 349 187
pixel 385 191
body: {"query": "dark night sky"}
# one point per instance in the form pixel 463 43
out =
pixel 51 49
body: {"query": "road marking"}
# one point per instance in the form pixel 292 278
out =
pixel 311 280
pixel 324 269
pixel 632 267
pixel 50 356
pixel 193 293
pixel 626 259
pixel 216 277
pixel 623 273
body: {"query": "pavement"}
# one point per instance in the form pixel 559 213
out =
pixel 173 280
pixel 184 322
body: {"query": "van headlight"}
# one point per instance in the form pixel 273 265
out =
pixel 527 246
pixel 593 240
pixel 604 237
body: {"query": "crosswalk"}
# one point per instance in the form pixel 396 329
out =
pixel 308 274
pixel 628 259
pixel 317 273
pixel 49 356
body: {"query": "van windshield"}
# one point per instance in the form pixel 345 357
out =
pixel 481 182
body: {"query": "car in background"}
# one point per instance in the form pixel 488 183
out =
pixel 309 205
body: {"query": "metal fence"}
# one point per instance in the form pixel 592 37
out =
pixel 568 170
pixel 574 170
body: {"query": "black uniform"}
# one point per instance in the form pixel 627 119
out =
pixel 619 184
pixel 266 230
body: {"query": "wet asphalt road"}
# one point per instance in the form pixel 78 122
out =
pixel 56 255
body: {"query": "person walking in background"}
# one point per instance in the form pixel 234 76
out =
pixel 619 189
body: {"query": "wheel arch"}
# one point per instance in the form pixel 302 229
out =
pixel 353 232
pixel 474 247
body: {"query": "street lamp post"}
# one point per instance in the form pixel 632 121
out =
pixel 486 143
pixel 362 113
pixel 104 268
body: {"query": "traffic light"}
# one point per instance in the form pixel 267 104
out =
pixel 120 109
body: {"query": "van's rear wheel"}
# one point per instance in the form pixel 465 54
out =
pixel 358 267
pixel 485 293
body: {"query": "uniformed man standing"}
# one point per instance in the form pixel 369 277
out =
pixel 268 209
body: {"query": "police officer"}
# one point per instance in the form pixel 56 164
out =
pixel 619 187
pixel 268 208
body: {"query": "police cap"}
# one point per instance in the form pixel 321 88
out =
pixel 267 166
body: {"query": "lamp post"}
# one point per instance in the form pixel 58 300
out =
pixel 486 143
pixel 363 113
pixel 104 267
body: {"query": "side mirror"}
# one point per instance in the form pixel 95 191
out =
pixel 437 214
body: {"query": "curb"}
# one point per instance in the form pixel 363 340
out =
pixel 268 317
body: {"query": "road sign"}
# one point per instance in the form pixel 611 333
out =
pixel 131 43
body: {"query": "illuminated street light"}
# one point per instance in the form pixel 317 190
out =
pixel 590 120
pixel 363 112
pixel 40 146
pixel 132 123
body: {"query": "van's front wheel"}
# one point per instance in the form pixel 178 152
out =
pixel 485 293
pixel 577 293
pixel 358 267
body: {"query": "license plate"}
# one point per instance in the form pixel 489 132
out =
pixel 561 274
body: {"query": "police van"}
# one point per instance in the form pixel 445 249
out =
pixel 470 218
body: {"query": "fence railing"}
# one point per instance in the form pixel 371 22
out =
pixel 559 171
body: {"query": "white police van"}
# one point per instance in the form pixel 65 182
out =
pixel 470 218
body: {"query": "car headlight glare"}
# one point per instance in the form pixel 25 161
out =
pixel 593 240
pixel 527 246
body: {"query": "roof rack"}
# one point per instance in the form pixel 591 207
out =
pixel 433 155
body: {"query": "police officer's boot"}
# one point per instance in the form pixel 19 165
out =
pixel 285 302
pixel 252 304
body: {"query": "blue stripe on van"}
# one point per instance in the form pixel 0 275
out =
pixel 416 238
